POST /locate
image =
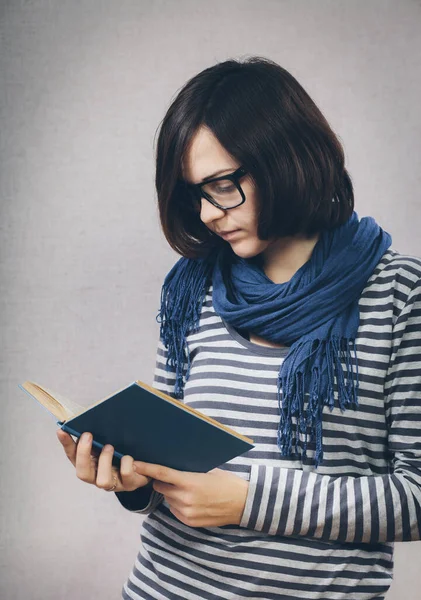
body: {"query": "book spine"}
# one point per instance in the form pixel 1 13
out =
pixel 77 434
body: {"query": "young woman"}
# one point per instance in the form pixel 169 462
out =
pixel 293 321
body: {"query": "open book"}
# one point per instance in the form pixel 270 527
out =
pixel 149 425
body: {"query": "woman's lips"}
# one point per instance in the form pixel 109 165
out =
pixel 230 234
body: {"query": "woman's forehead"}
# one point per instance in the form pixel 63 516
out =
pixel 205 157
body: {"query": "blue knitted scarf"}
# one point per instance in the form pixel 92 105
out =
pixel 316 314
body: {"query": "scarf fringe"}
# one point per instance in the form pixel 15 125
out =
pixel 301 420
pixel 182 294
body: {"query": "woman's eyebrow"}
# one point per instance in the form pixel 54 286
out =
pixel 216 173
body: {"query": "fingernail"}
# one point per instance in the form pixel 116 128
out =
pixel 86 437
pixel 134 467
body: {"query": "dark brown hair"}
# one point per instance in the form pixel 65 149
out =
pixel 264 118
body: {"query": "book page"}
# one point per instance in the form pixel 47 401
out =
pixel 58 405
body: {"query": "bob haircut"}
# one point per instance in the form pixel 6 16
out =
pixel 263 117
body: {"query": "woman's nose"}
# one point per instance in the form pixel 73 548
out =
pixel 209 212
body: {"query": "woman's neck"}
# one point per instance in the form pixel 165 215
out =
pixel 282 259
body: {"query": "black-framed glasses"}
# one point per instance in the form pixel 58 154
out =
pixel 224 192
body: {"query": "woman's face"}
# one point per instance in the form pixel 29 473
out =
pixel 204 158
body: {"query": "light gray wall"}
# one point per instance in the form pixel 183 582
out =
pixel 84 85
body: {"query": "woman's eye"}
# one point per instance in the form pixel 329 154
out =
pixel 223 189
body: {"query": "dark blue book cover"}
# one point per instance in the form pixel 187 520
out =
pixel 150 426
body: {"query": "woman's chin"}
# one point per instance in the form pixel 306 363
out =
pixel 247 248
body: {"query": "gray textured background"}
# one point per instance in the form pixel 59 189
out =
pixel 84 86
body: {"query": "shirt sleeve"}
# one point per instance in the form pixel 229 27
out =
pixel 366 509
pixel 144 500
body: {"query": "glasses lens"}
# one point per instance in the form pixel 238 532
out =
pixel 224 192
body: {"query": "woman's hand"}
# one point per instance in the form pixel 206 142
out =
pixel 199 499
pixel 97 469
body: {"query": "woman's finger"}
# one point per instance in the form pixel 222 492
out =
pixel 167 489
pixel 86 459
pixel 68 444
pixel 106 475
pixel 85 464
pixel 131 480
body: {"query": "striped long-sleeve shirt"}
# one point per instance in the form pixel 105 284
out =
pixel 305 533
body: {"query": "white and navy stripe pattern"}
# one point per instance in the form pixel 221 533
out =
pixel 306 533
